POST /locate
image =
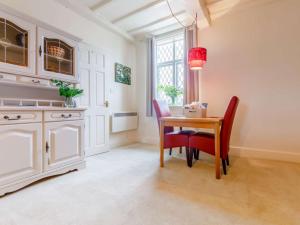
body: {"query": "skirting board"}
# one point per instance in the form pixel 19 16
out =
pixel 247 152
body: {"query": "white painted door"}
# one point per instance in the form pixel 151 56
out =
pixel 20 151
pixel 64 143
pixel 94 81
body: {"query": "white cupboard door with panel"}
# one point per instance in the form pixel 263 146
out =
pixel 17 45
pixel 94 81
pixel 20 151
pixel 64 143
pixel 57 56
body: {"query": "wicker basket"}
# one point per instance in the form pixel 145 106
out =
pixel 56 51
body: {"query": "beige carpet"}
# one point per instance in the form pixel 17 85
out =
pixel 127 187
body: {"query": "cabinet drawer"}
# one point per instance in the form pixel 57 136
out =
pixel 16 117
pixel 34 81
pixel 7 77
pixel 64 115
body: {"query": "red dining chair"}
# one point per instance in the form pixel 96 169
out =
pixel 173 139
pixel 206 142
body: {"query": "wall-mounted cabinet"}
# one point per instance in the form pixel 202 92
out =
pixel 17 45
pixel 36 50
pixel 57 56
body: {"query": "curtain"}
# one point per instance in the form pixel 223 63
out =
pixel 150 82
pixel 191 77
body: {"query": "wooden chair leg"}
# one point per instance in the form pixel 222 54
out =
pixel 180 150
pixel 196 153
pixel 224 166
pixel 188 153
pixel 170 152
pixel 227 160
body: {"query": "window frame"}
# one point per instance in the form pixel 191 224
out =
pixel 174 62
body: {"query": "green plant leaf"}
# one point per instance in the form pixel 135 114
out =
pixel 66 90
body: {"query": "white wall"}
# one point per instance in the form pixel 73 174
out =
pixel 254 54
pixel 116 48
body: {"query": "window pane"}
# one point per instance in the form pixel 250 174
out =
pixel 164 52
pixel 165 77
pixel 179 50
pixel 179 82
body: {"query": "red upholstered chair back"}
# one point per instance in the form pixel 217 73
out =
pixel 227 125
pixel 162 110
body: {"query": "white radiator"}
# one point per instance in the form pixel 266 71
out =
pixel 124 121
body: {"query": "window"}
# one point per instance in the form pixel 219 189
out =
pixel 170 68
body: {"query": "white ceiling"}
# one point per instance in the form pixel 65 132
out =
pixel 142 17
pixel 137 18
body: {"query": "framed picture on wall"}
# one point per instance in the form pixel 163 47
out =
pixel 122 74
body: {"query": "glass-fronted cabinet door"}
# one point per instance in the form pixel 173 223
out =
pixel 57 56
pixel 17 45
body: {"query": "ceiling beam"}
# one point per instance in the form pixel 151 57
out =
pixel 145 7
pixel 145 26
pixel 86 12
pixel 99 5
pixel 204 9
pixel 170 27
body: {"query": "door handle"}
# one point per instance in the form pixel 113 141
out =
pixel 47 147
pixel 106 103
pixel 40 50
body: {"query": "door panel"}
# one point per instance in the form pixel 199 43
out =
pixel 85 85
pixel 100 86
pixel 97 117
pixel 87 133
pixel 100 130
pixel 20 152
pixel 65 143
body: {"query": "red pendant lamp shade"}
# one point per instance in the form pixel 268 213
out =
pixel 197 58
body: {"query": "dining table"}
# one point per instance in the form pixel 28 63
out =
pixel 211 123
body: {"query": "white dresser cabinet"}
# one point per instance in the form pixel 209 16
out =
pixel 37 142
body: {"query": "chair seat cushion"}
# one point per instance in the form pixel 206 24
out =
pixel 203 141
pixel 177 138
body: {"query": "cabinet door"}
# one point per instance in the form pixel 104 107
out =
pixel 64 143
pixel 17 45
pixel 20 151
pixel 57 56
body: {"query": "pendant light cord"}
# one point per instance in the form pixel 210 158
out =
pixel 178 21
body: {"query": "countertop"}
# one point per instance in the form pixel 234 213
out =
pixel 39 108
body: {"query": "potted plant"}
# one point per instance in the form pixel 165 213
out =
pixel 170 91
pixel 68 91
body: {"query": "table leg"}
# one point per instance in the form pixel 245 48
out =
pixel 162 135
pixel 217 151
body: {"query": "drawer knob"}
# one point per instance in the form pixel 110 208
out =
pixel 36 81
pixel 64 116
pixel 8 118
